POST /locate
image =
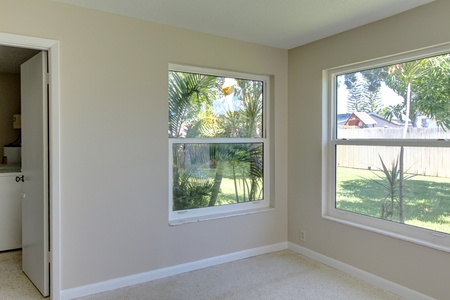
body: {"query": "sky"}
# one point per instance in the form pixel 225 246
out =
pixel 388 96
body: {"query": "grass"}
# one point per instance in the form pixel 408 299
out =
pixel 226 195
pixel 427 199
pixel 227 192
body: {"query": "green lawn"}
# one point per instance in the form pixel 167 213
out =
pixel 227 193
pixel 427 199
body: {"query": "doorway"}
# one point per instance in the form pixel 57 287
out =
pixel 52 48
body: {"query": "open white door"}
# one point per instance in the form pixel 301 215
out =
pixel 35 206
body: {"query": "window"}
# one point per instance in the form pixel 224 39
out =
pixel 218 143
pixel 387 146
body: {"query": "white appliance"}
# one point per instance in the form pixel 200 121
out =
pixel 13 154
pixel 10 212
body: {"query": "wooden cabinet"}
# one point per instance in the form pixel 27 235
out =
pixel 10 212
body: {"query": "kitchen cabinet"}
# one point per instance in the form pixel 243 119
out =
pixel 10 211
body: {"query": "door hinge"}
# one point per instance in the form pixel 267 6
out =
pixel 47 78
pixel 49 256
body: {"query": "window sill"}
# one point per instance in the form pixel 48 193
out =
pixel 396 235
pixel 218 216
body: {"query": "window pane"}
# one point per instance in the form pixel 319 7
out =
pixel 396 101
pixel 216 174
pixel 369 182
pixel 204 106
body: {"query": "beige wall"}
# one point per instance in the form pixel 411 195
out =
pixel 114 143
pixel 416 267
pixel 9 105
pixel 114 161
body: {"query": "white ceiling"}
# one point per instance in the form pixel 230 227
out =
pixel 283 24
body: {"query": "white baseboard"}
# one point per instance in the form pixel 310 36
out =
pixel 165 272
pixel 358 273
pixel 213 261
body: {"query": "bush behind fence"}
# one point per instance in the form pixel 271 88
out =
pixel 417 160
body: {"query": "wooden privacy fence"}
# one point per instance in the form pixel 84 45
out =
pixel 417 160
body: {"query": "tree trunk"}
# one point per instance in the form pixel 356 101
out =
pixel 401 200
pixel 175 179
pixel 217 183
pixel 408 108
pixel 401 204
pixel 235 184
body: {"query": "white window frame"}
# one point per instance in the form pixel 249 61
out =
pixel 216 212
pixel 413 234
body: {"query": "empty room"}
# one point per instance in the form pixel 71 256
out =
pixel 267 144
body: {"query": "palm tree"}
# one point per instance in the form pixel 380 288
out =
pixel 401 77
pixel 192 115
pixel 391 179
pixel 427 81
pixel 185 91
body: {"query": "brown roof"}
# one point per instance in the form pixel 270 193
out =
pixel 363 117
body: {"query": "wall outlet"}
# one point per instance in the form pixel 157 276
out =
pixel 303 235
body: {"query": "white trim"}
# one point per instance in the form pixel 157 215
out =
pixel 52 46
pixel 422 236
pixel 181 217
pixel 209 262
pixel 220 216
pixel 165 272
pixel 425 52
pixel 418 235
pixel 216 72
pixel 358 273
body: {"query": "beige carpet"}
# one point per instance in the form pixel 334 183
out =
pixel 14 284
pixel 279 275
